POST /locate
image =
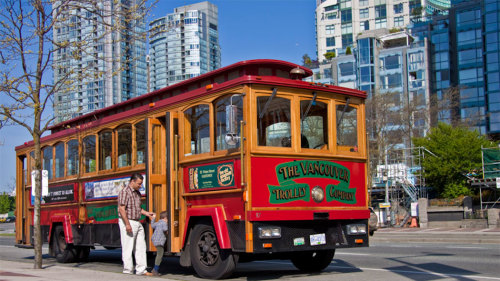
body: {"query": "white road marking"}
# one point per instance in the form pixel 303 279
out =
pixel 445 275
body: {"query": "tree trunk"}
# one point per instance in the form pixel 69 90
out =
pixel 38 191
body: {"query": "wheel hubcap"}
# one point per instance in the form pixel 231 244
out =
pixel 209 252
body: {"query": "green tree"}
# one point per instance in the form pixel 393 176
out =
pixel 5 203
pixel 458 152
pixel 306 60
pixel 330 55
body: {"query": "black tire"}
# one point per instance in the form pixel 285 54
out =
pixel 63 252
pixel 82 253
pixel 208 260
pixel 110 248
pixel 313 261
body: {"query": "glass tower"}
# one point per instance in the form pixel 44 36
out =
pixel 465 64
pixel 184 44
pixel 100 60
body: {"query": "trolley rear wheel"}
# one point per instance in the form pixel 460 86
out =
pixel 63 252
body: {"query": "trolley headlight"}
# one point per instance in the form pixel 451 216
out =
pixel 317 194
pixel 356 229
pixel 269 232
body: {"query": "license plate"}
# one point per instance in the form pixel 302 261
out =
pixel 298 241
pixel 317 239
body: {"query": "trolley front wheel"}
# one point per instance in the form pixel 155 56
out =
pixel 312 261
pixel 208 260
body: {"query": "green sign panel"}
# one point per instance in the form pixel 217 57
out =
pixel 211 176
pixel 288 190
pixel 106 213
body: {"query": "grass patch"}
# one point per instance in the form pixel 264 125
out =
pixel 7 234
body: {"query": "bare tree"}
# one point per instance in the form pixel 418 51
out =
pixel 27 32
pixel 393 120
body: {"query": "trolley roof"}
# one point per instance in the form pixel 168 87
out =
pixel 260 71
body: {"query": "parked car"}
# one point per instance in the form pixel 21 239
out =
pixel 10 219
pixel 372 222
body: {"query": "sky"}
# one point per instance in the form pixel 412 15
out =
pixel 248 29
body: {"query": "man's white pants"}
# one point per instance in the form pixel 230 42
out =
pixel 133 243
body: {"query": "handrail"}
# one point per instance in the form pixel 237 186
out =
pixel 242 153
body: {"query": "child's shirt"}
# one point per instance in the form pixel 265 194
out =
pixel 160 227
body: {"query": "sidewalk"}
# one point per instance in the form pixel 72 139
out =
pixel 438 235
pixel 13 271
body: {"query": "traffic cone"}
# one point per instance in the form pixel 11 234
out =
pixel 414 222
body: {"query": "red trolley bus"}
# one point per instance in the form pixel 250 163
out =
pixel 250 161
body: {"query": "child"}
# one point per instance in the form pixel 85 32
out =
pixel 158 239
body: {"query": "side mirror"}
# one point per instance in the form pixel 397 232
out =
pixel 232 137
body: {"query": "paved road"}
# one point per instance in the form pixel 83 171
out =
pixel 381 261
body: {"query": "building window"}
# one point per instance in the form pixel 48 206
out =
pixel 346 40
pixel 345 4
pixel 331 15
pixel 346 69
pixel 364 13
pixel 330 29
pixel 399 21
pixel 330 41
pixel 347 28
pixel 346 15
pixel 364 25
pixel 390 62
pixel 398 8
pixel 468 17
pixel 331 8
pixel 363 3
pixel 380 23
pixel 391 81
pixel 380 11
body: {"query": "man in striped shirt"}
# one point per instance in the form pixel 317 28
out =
pixel 131 230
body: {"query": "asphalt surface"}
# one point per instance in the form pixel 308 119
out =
pixel 12 270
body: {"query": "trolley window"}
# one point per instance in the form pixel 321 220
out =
pixel 48 160
pixel 124 145
pixel 59 160
pixel 105 150
pixel 197 129
pixel 73 158
pixel 89 154
pixel 347 125
pixel 140 141
pixel 313 124
pixel 220 120
pixel 273 121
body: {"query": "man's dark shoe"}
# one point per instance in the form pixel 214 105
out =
pixel 155 273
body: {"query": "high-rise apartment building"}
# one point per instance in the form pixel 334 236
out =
pixel 104 61
pixel 392 69
pixel 184 44
pixel 338 22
